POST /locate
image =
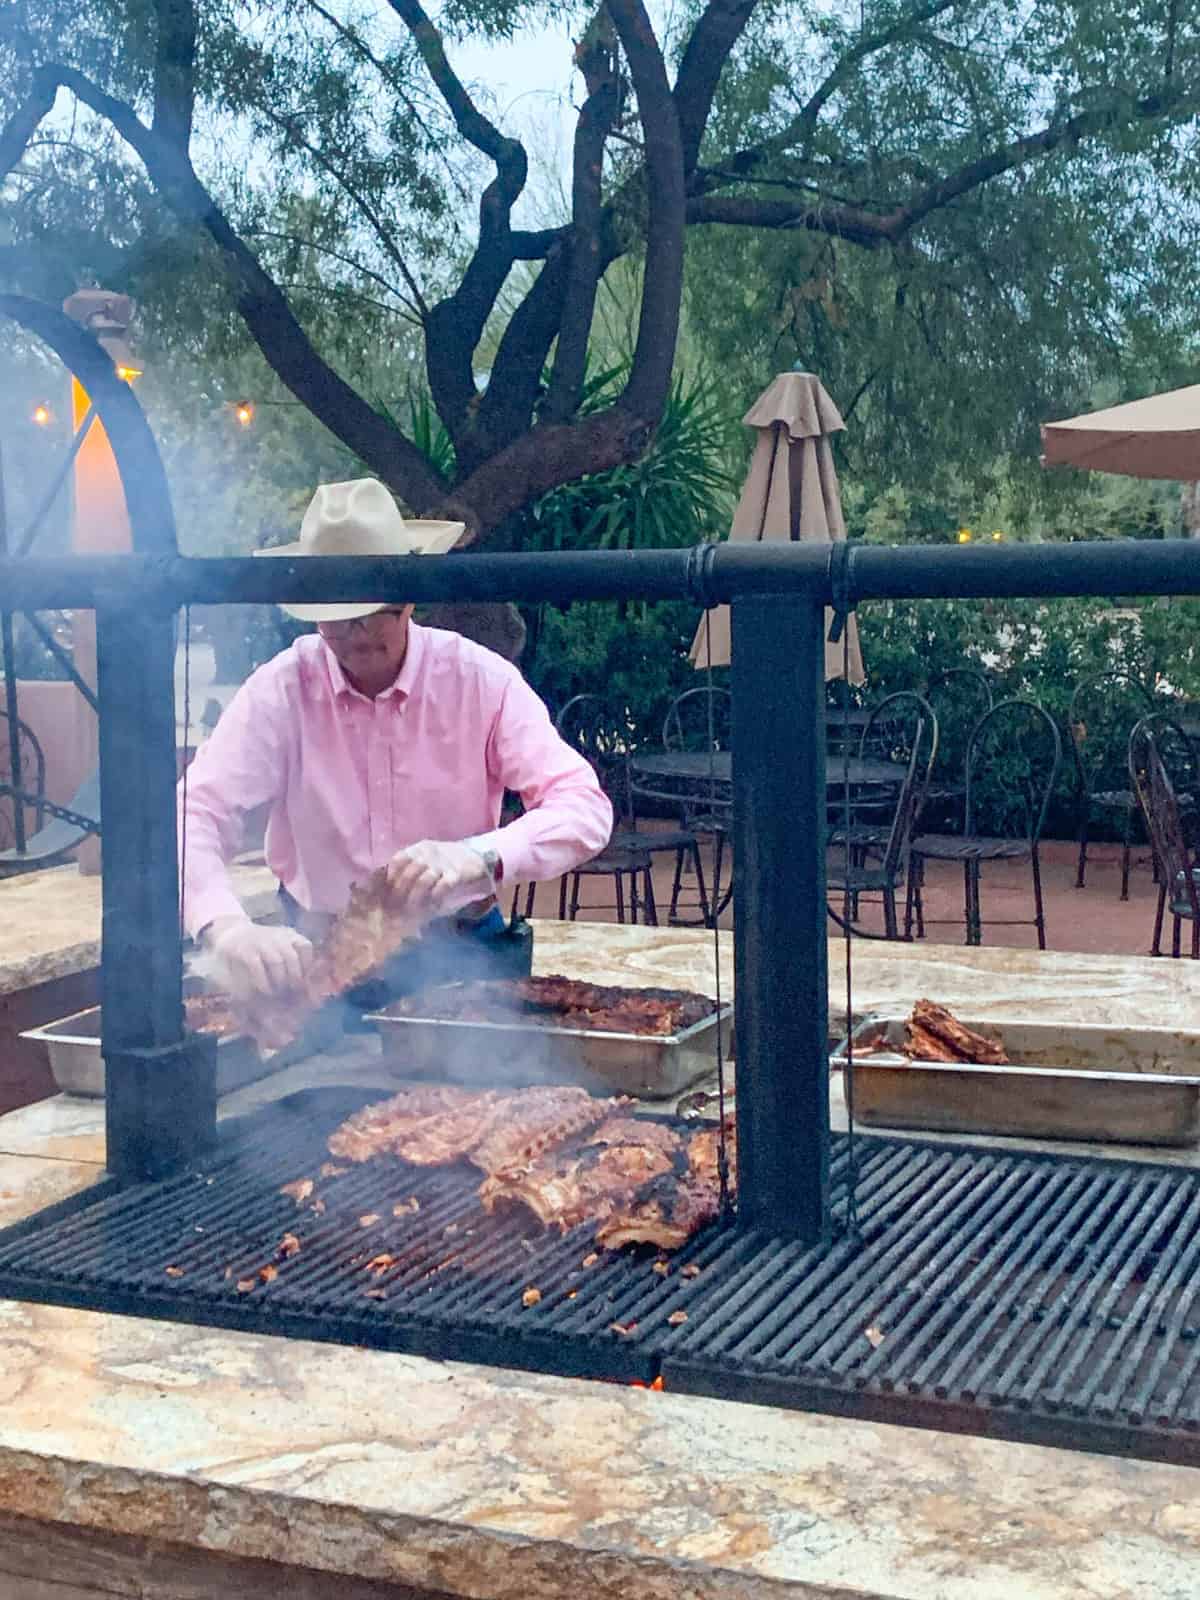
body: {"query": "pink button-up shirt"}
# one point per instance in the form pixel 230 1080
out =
pixel 349 780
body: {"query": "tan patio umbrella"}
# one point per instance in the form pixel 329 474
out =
pixel 1158 437
pixel 791 492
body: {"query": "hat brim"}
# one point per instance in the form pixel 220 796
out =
pixel 430 539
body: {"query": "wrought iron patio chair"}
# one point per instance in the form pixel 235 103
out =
pixel 700 720
pixel 1013 760
pixel 33 780
pixel 592 729
pixel 1102 711
pixel 1164 766
pixel 960 696
pixel 874 858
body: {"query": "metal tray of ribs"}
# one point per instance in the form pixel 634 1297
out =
pixel 652 1043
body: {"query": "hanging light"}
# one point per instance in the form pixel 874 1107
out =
pixel 244 412
pixel 997 536
pixel 42 414
pixel 965 536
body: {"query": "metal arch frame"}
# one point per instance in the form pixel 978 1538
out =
pixel 143 477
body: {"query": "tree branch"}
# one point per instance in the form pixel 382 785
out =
pixel 175 71
pixel 536 245
pixel 336 255
pixel 262 305
pixel 749 211
pixel 23 124
pixel 800 128
pixel 546 457
pixel 456 324
pixel 289 126
pixel 596 58
pixel 645 394
pixel 1056 136
pixel 468 119
pixel 716 32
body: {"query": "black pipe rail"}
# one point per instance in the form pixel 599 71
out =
pixel 707 575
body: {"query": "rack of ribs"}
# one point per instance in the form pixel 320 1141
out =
pixel 437 1124
pixel 589 1181
pixel 560 1002
pixel 670 1211
pixel 367 933
pixel 933 1034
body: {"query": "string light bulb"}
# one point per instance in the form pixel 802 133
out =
pixel 128 374
pixel 965 536
pixel 244 412
pixel 42 414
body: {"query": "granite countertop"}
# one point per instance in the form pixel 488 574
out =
pixel 499 1485
pixel 50 921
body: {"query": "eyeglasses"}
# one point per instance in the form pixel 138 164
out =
pixel 372 626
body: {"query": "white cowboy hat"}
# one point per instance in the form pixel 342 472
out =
pixel 360 518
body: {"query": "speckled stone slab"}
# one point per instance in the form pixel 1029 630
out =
pixel 50 921
pixel 504 1486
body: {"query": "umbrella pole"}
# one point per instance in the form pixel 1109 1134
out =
pixel 781 955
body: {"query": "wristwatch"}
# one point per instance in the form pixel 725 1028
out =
pixel 493 865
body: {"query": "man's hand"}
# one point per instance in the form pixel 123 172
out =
pixel 253 960
pixel 434 878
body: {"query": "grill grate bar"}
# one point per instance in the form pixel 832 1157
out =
pixel 1005 1258
pixel 967 1373
pixel 1163 1205
pixel 909 1329
pixel 1115 1242
pixel 812 1325
pixel 1176 1265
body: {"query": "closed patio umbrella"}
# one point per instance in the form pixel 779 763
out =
pixel 1158 437
pixel 790 493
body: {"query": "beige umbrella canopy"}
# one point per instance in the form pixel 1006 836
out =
pixel 791 492
pixel 1158 437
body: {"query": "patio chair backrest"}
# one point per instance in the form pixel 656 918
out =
pixel 699 719
pixel 33 779
pixel 902 728
pixel 1102 711
pixel 1164 769
pixel 1013 761
pixel 590 726
pixel 960 696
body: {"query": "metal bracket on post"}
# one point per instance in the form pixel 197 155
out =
pixel 160 1107
pixel 780 949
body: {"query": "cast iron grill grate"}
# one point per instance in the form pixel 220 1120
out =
pixel 992 1292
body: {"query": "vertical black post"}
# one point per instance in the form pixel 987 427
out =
pixel 160 1086
pixel 781 962
pixel 10 691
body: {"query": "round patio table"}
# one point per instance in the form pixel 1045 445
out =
pixel 705 780
pixel 691 771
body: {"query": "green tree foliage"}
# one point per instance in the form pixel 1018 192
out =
pixel 962 213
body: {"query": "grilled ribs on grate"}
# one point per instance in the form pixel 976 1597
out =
pixel 566 1157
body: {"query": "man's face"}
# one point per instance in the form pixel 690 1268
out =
pixel 370 650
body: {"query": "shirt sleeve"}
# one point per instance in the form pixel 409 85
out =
pixel 568 818
pixel 241 766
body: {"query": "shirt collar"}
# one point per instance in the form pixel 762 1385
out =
pixel 405 680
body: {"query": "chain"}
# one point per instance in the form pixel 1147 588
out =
pixel 851 1217
pixel 722 1142
pixel 187 735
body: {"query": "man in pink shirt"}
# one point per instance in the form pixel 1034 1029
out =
pixel 376 742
